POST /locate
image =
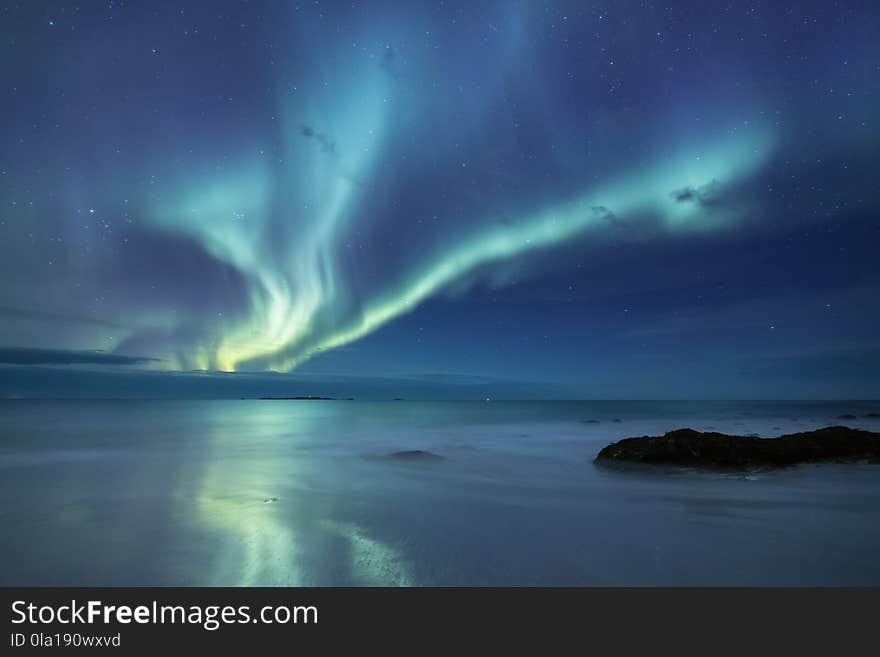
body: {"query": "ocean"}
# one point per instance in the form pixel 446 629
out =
pixel 305 493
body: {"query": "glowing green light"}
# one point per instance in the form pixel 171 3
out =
pixel 289 292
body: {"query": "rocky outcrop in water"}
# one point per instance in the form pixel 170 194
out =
pixel 415 455
pixel 687 447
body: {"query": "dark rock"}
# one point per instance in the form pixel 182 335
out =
pixel 846 416
pixel 686 447
pixel 415 455
pixel 872 414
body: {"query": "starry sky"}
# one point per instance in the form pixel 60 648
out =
pixel 440 199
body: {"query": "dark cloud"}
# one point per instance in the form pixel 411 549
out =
pixel 704 196
pixel 327 145
pixel 27 356
pixel 606 214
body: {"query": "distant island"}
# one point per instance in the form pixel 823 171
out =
pixel 304 398
pixel 687 447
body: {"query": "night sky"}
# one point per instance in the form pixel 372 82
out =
pixel 440 199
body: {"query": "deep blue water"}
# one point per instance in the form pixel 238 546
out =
pixel 300 493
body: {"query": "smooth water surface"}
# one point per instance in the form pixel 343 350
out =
pixel 303 493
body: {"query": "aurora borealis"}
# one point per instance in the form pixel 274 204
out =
pixel 609 199
pixel 285 325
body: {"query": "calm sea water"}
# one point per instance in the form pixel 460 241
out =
pixel 302 493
